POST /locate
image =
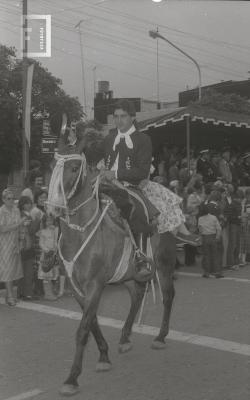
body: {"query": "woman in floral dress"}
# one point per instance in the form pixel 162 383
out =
pixel 10 259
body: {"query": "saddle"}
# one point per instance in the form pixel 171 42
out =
pixel 132 213
pixel 134 207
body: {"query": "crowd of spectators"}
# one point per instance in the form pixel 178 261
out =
pixel 215 192
pixel 216 201
pixel 27 236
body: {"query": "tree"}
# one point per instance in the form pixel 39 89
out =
pixel 10 135
pixel 230 102
pixel 47 96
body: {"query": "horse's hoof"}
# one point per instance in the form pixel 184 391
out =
pixel 103 367
pixel 69 390
pixel 157 345
pixel 125 347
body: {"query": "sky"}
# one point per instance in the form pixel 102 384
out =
pixel 117 47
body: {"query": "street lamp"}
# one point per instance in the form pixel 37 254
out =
pixel 82 62
pixel 155 34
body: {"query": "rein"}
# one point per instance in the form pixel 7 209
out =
pixel 95 194
pixel 69 265
pixel 57 183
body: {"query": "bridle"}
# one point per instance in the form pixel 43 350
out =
pixel 56 181
pixel 58 176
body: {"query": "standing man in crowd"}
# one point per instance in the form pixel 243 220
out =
pixel 215 159
pixel 246 170
pixel 203 166
pixel 224 167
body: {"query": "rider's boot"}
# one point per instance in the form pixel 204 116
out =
pixel 143 265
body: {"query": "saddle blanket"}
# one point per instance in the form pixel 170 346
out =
pixel 126 258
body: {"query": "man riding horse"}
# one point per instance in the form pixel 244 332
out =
pixel 128 158
pixel 127 155
pixel 92 248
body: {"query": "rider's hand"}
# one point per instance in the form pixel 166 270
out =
pixel 109 175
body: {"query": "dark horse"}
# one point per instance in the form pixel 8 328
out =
pixel 91 247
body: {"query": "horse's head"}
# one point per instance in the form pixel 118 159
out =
pixel 74 160
pixel 69 172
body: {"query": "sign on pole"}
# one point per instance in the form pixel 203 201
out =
pixel 49 145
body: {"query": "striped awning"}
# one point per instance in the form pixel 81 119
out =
pixel 202 114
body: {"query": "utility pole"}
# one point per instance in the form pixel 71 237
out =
pixel 25 146
pixel 157 72
pixel 82 63
pixel 94 87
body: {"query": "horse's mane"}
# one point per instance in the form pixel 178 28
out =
pixel 93 148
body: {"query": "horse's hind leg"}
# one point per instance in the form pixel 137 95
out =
pixel 89 306
pixel 166 264
pixel 136 290
pixel 104 363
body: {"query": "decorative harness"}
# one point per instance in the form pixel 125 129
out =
pixel 56 187
pixel 56 184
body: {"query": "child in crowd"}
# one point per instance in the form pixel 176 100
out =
pixel 48 237
pixel 210 230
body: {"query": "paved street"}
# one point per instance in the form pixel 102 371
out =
pixel 207 355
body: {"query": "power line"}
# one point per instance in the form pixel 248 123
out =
pixel 197 49
pixel 139 47
pixel 149 22
pixel 143 30
pixel 129 57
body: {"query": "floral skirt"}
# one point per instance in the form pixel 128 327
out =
pixel 168 203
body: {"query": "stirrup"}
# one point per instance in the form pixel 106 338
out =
pixel 147 271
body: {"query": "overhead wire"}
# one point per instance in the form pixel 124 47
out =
pixel 129 57
pixel 128 44
pixel 145 49
pixel 150 22
pixel 134 28
pixel 142 30
pixel 214 67
pixel 197 49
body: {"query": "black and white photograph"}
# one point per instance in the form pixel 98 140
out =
pixel 124 200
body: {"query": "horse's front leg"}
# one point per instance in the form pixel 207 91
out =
pixel 104 363
pixel 136 291
pixel 166 265
pixel 70 386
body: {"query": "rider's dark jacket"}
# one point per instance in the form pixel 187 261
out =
pixel 133 167
pixel 134 164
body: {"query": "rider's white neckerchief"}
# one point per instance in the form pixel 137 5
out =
pixel 126 136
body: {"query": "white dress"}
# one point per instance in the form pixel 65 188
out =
pixel 48 242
